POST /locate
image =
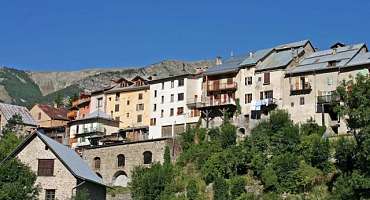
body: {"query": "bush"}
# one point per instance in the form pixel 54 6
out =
pixel 220 189
pixel 192 190
pixel 237 187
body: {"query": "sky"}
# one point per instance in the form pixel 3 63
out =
pixel 45 35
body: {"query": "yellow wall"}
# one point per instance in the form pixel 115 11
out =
pixel 133 97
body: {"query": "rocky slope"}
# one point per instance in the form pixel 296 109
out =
pixel 27 88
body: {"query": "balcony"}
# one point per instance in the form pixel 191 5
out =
pixel 96 131
pixel 72 114
pixel 209 102
pixel 216 87
pixel 303 89
pixel 327 99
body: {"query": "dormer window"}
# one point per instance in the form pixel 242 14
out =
pixel 332 63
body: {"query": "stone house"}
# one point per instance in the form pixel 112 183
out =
pixel 114 163
pixel 309 86
pixel 7 111
pixel 52 121
pixel 60 170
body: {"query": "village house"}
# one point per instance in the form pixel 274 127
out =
pixel 309 86
pixel 52 121
pixel 128 103
pixel 172 104
pixel 7 111
pixel 115 162
pixel 91 129
pixel 60 171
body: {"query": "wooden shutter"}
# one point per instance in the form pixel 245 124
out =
pixel 266 78
pixel 45 167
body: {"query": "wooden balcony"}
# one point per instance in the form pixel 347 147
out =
pixel 218 87
pixel 209 102
pixel 304 89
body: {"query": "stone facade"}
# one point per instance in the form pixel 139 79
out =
pixel 62 180
pixel 133 153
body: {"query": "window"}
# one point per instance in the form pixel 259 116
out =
pixel 261 95
pixel 49 194
pixel 155 107
pixel 266 78
pixel 162 86
pixel 181 82
pixel 110 98
pixel 100 102
pixel 180 110
pixel 117 96
pixel 172 84
pixel 127 115
pixel 172 98
pixel 120 160
pixel 140 96
pixel 116 108
pixel 301 101
pixel 269 94
pixel 155 93
pixel 171 112
pixel 180 97
pixel 162 113
pixel 139 107
pixel 153 121
pixel 248 80
pixel 97 163
pixel 248 98
pixel 39 117
pixel 128 102
pixel 162 99
pixel 45 167
pixel 229 81
pixel 147 157
pixel 139 118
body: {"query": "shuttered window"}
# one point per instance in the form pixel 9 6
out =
pixel 45 167
pixel 266 78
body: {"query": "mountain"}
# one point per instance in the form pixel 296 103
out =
pixel 27 88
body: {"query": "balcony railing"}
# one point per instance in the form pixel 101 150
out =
pixel 91 131
pixel 303 89
pixel 327 99
pixel 207 102
pixel 212 86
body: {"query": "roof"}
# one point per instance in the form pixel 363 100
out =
pixel 275 57
pixel 341 56
pixel 228 66
pixel 54 113
pixel 9 111
pixel 70 159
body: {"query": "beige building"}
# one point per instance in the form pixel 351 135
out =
pixel 114 163
pixel 53 121
pixel 60 171
pixel 128 103
pixel 310 85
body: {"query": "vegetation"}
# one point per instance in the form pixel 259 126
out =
pixel 16 179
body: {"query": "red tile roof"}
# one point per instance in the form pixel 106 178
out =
pixel 54 113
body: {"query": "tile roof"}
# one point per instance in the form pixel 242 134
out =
pixel 281 56
pixel 229 65
pixel 54 113
pixel 9 110
pixel 342 56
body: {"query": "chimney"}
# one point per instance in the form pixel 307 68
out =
pixel 334 51
pixel 218 60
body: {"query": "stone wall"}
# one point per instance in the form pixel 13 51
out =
pixel 109 170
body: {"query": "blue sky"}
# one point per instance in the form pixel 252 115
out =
pixel 46 35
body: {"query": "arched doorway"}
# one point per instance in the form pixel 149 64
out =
pixel 120 178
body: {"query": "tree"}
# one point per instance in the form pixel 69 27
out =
pixel 59 100
pixel 17 181
pixel 14 125
pixel 192 190
pixel 237 187
pixel 167 156
pixel 220 189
